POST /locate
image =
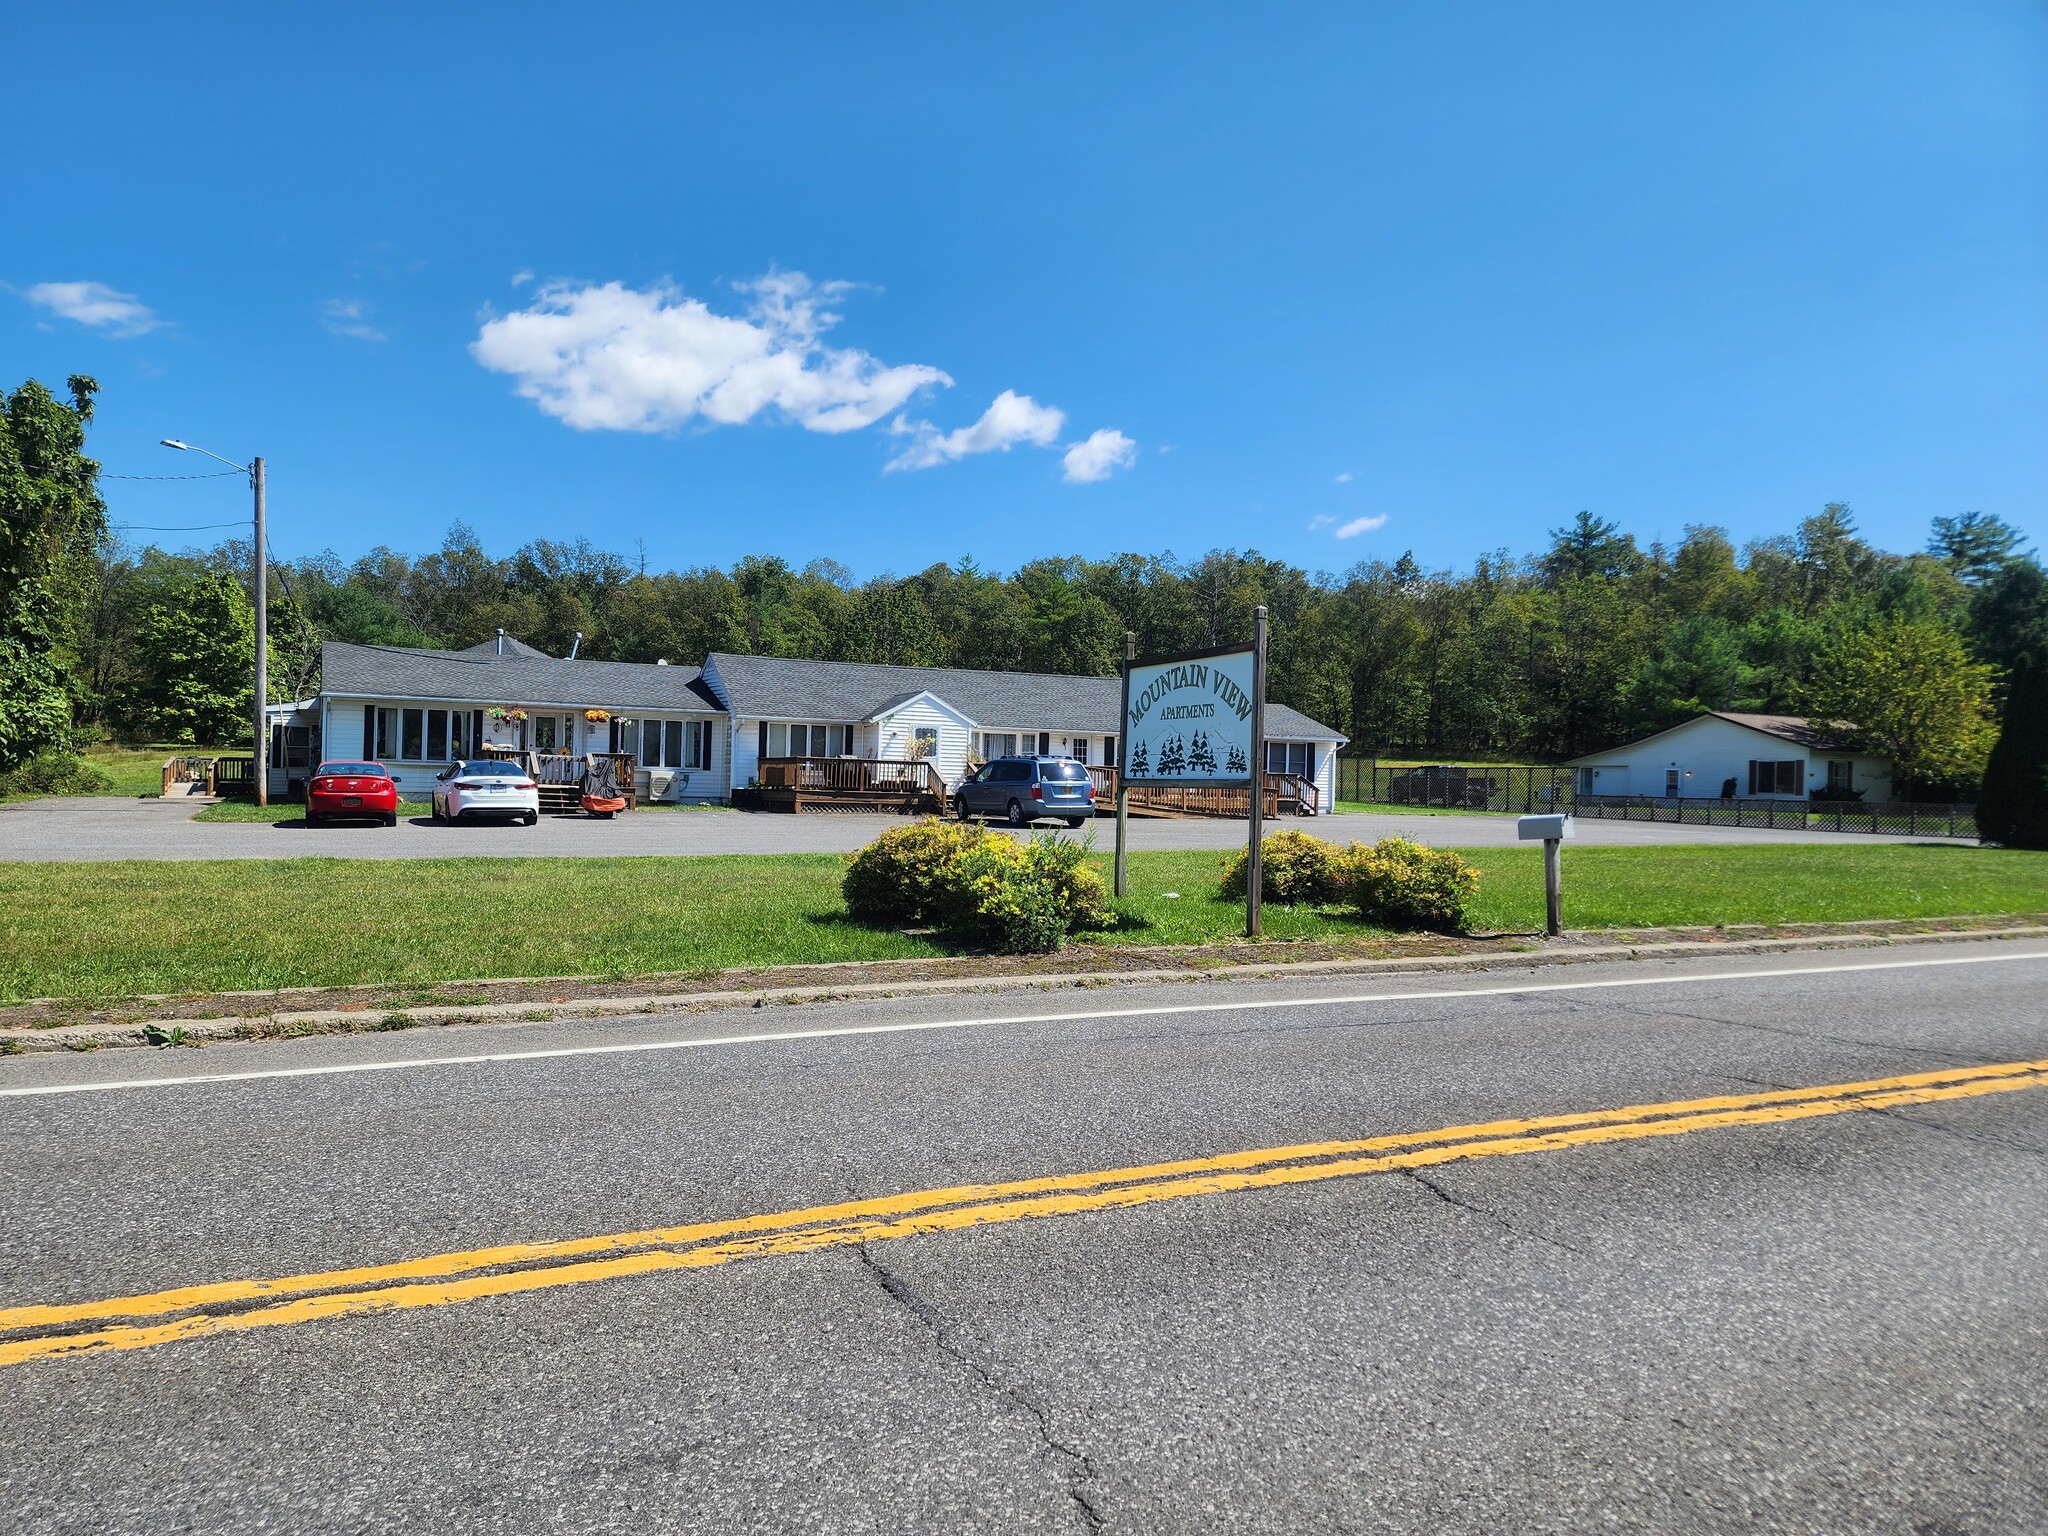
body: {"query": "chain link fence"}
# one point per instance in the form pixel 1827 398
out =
pixel 1901 817
pixel 1456 787
pixel 1527 791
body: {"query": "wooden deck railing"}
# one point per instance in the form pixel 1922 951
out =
pixel 1284 791
pixel 853 777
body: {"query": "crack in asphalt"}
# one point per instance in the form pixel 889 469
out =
pixel 1077 1466
pixel 1485 1215
pixel 1964 1058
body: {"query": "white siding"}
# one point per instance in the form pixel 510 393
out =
pixel 1707 752
pixel 895 732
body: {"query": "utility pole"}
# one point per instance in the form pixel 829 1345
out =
pixel 262 578
pixel 260 760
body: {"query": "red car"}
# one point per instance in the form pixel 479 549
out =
pixel 352 789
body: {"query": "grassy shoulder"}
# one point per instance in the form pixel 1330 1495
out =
pixel 107 930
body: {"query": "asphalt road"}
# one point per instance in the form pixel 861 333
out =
pixel 106 828
pixel 1822 1324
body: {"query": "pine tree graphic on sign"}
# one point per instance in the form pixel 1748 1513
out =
pixel 1200 758
pixel 1172 756
pixel 1234 763
pixel 1141 762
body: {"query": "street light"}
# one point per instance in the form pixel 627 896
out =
pixel 260 761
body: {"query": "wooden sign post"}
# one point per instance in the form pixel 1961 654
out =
pixel 1255 862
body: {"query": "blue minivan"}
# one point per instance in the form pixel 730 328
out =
pixel 1022 790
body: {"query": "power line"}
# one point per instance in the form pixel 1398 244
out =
pixel 219 474
pixel 174 527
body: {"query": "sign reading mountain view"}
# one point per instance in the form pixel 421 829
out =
pixel 1189 720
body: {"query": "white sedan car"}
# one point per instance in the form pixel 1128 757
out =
pixel 486 787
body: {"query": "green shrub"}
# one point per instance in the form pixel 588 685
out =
pixel 984 887
pixel 1295 869
pixel 895 878
pixel 1399 884
pixel 55 773
pixel 1021 897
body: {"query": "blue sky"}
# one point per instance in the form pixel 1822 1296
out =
pixel 893 285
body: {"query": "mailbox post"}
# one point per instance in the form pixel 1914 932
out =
pixel 1551 832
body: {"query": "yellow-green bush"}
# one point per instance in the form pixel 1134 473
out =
pixel 1399 884
pixel 895 878
pixel 984 887
pixel 1295 869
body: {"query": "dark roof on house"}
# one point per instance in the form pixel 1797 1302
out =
pixel 480 676
pixel 1812 735
pixel 789 688
pixel 504 646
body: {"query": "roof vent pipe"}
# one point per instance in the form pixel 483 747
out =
pixel 661 661
pixel 501 639
pixel 576 645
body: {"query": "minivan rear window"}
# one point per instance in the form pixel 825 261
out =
pixel 1062 772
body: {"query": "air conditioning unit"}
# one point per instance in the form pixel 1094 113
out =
pixel 661 783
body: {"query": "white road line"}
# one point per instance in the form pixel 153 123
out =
pixel 771 1036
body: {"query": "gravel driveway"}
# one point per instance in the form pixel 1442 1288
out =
pixel 104 828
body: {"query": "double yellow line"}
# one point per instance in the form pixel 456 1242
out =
pixel 238 1306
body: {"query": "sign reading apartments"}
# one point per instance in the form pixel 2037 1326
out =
pixel 1189 721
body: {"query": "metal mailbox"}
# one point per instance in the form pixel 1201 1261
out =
pixel 1543 829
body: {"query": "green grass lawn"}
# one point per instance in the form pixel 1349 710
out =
pixel 288 813
pixel 139 770
pixel 102 930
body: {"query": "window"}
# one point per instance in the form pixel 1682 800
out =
pixel 809 741
pixel 675 743
pixel 995 744
pixel 1841 775
pixel 1079 746
pixel 624 736
pixel 1786 778
pixel 1296 757
pixel 544 732
pixel 924 742
pixel 437 734
pixel 409 738
pixel 1670 783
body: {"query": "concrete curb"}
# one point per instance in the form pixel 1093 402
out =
pixel 330 1021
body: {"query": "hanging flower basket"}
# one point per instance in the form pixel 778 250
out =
pixel 508 714
pixel 596 716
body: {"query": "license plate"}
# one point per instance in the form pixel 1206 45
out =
pixel 351 799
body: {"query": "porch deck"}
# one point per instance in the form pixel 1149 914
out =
pixel 1286 794
pixel 560 775
pixel 901 786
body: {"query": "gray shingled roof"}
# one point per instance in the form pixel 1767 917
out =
pixel 481 676
pixel 504 646
pixel 788 688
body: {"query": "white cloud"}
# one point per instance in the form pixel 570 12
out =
pixel 522 277
pixel 1358 525
pixel 1321 520
pixel 605 357
pixel 1010 419
pixel 350 317
pixel 1098 456
pixel 96 305
pixel 1345 478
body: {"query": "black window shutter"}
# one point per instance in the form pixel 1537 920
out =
pixel 1752 775
pixel 762 749
pixel 1044 742
pixel 369 733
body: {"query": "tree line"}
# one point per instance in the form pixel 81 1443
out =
pixel 1593 639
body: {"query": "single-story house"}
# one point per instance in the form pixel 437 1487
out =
pixel 1722 755
pixel 416 711
pixel 697 734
